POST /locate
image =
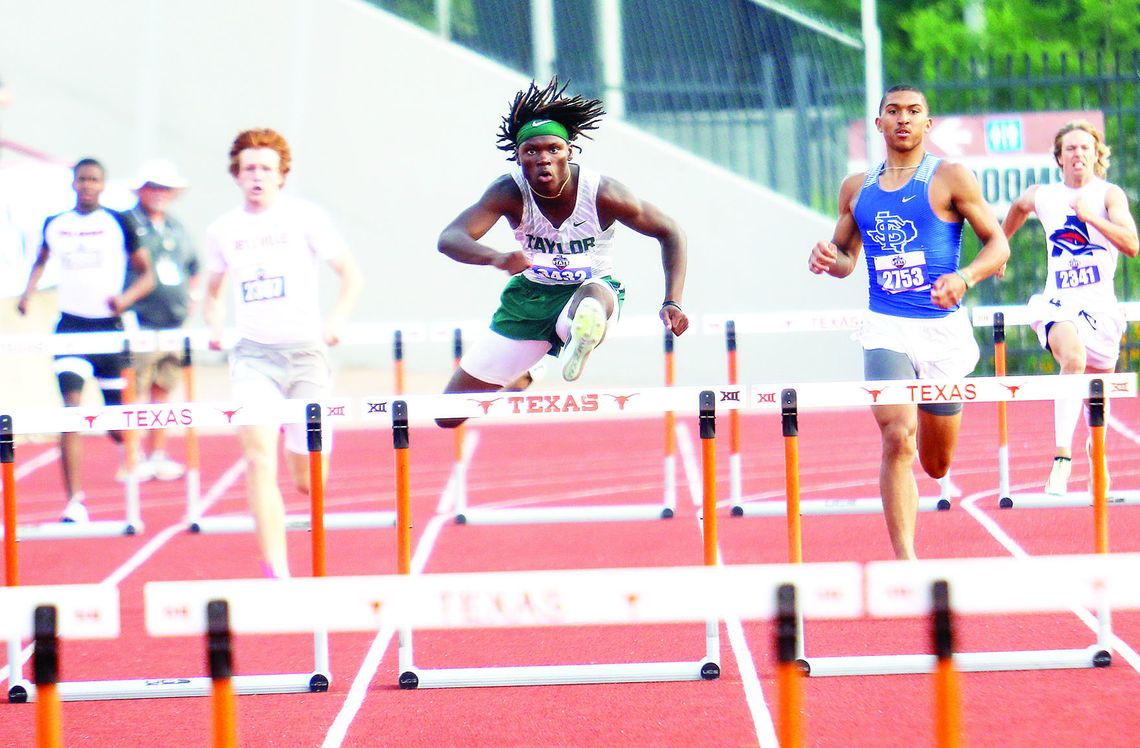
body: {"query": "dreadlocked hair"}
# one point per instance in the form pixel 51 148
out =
pixel 575 113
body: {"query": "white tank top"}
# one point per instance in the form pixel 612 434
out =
pixel 273 260
pixel 1081 262
pixel 92 250
pixel 574 252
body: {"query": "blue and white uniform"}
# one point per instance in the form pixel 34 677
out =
pixel 907 248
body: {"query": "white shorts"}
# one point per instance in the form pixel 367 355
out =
pixel 939 348
pixel 260 373
pixel 1099 328
pixel 500 360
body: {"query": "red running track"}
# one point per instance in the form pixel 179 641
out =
pixel 577 463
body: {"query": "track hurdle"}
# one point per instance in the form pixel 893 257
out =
pixel 131 523
pixel 706 668
pixel 1040 499
pixel 973 390
pixel 81 611
pixel 467 515
pixel 214 414
pixel 490 600
pixel 809 321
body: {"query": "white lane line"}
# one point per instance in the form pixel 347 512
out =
pixel 44 458
pixel 749 678
pixel 1001 536
pixel 371 663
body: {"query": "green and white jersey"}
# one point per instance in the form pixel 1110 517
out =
pixel 574 252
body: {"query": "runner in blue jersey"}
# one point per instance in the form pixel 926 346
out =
pixel 562 295
pixel 907 212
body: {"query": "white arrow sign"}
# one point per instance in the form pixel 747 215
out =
pixel 950 137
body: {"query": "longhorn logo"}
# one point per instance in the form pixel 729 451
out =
pixel 622 399
pixel 1013 388
pixel 874 393
pixel 91 420
pixel 486 404
pixel 229 414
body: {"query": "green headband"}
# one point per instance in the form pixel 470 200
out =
pixel 535 128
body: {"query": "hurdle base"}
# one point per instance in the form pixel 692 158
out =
pixel 966 662
pixel 72 530
pixel 333 521
pixel 159 688
pixel 556 514
pixel 1043 500
pixel 555 675
pixel 778 508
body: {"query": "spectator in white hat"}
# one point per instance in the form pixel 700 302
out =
pixel 167 307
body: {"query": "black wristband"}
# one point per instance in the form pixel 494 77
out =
pixel 670 302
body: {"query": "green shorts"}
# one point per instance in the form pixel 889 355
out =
pixel 529 310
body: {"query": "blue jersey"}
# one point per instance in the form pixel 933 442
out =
pixel 907 246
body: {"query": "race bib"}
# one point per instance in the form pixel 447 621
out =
pixel 901 271
pixel 262 289
pixel 572 268
pixel 1075 277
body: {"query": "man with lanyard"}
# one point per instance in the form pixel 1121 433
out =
pixel 95 248
pixel 561 292
pixel 1076 317
pixel 908 212
pixel 166 308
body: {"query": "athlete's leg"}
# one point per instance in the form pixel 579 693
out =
pixel 495 363
pixel 937 439
pixel 1068 350
pixel 583 324
pixel 897 426
pixel 70 446
pixel 259 446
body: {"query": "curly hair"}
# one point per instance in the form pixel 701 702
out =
pixel 260 138
pixel 1100 167
pixel 575 113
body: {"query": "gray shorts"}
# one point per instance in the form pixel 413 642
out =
pixel 266 373
pixel 880 365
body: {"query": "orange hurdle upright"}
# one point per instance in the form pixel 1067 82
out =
pixel 400 443
pixel 670 497
pixel 398 361
pixel 734 470
pixel 1099 473
pixel 8 462
pixel 193 459
pixel 316 486
pixel 219 658
pixel 789 674
pixel 45 667
pixel 1005 501
pixel 947 690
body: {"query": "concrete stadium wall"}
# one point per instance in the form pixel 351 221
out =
pixel 393 132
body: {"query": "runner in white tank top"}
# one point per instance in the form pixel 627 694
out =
pixel 562 290
pixel 1087 225
pixel 272 247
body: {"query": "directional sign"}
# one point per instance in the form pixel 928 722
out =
pixel 1008 152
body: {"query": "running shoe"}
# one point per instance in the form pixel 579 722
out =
pixel 586 331
pixel 1058 482
pixel 75 511
pixel 163 468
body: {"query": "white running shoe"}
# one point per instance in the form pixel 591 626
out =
pixel 1058 481
pixel 163 468
pixel 586 331
pixel 75 511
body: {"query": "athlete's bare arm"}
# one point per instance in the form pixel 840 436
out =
pixel 616 202
pixel 460 239
pixel 1119 227
pixel 964 197
pixel 839 256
